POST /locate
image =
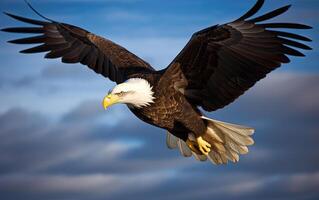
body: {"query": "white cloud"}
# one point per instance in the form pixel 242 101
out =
pixel 304 182
pixel 94 152
pixel 95 184
pixel 300 89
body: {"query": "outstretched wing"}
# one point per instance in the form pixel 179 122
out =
pixel 76 45
pixel 221 62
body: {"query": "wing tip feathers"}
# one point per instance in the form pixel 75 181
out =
pixel 258 5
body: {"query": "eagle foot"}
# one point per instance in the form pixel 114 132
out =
pixel 200 146
pixel 203 145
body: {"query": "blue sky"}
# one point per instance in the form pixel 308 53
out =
pixel 58 143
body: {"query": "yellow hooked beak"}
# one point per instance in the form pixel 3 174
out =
pixel 110 100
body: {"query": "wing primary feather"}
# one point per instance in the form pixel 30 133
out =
pixel 291 51
pixel 37 49
pixel 23 30
pixel 45 48
pixel 29 40
pixel 26 20
pixel 285 25
pixel 294 44
pixel 270 15
pixel 290 35
pixel 253 10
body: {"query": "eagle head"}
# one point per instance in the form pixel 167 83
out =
pixel 135 92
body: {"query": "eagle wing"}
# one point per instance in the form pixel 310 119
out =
pixel 220 63
pixel 76 45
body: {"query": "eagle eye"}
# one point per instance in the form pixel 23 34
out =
pixel 122 93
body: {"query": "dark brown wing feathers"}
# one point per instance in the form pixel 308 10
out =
pixel 270 15
pixel 218 64
pixel 73 45
pixel 252 11
pixel 221 62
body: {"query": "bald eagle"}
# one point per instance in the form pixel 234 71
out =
pixel 216 66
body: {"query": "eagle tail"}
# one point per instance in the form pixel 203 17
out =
pixel 174 142
pixel 228 141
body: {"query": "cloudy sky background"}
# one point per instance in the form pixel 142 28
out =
pixel 56 141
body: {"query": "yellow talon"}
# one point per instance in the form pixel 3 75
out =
pixel 200 146
pixel 203 146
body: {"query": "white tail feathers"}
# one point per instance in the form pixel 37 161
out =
pixel 228 141
pixel 173 142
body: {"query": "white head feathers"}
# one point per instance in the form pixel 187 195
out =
pixel 136 92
